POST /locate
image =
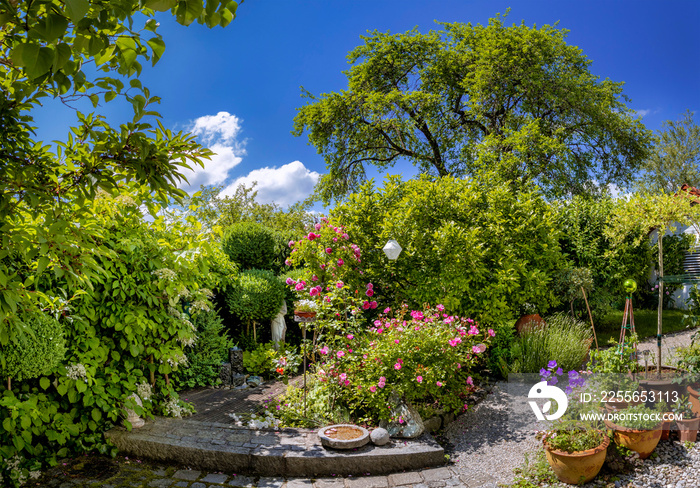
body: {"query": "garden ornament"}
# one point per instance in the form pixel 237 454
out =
pixel 279 327
pixel 630 286
pixel 392 249
pixel 131 415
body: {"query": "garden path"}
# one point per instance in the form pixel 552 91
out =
pixel 669 344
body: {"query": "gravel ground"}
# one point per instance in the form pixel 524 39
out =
pixel 669 344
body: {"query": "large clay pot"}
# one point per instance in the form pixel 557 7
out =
pixel 529 322
pixel 666 428
pixel 577 467
pixel 640 441
pixel 663 387
pixel 694 394
pixel 688 429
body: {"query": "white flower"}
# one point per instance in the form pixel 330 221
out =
pixel 76 371
pixel 144 391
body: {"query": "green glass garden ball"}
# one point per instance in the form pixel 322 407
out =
pixel 630 285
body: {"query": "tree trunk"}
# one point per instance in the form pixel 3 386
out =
pixel 9 383
pixel 661 303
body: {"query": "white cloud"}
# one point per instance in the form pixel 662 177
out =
pixel 220 133
pixel 646 111
pixel 284 185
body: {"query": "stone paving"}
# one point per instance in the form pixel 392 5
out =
pixel 138 474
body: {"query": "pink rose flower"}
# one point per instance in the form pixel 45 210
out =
pixel 373 389
pixel 396 341
pixel 419 379
pixel 470 381
pixel 287 262
pixel 324 350
pixel 372 305
pixel 299 287
pixel 439 383
pixel 454 342
pixel 340 354
pixel 340 262
pixel 369 293
pixel 479 348
pixel 313 291
pixel 290 281
pixel 343 376
pixel 340 284
pixel 314 278
pixel 492 333
pixel 365 305
pixel 397 366
pixel 291 243
pixel 317 226
pixel 387 310
pixel 329 250
pixel 370 286
pixel 440 307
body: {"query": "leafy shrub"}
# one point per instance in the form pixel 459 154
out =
pixel 206 355
pixel 500 350
pixel 256 295
pixel 250 245
pixel 480 250
pixel 427 356
pixel 38 352
pixel 268 362
pixel 583 222
pixel 564 340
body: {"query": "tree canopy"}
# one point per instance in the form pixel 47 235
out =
pixel 675 160
pixel 515 103
pixel 72 50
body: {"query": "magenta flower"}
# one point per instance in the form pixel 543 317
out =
pixel 345 236
pixel 370 286
pixel 396 341
pixel 372 305
pixel 350 336
pixel 397 366
pixel 439 383
pixel 311 236
pixel 317 226
pixel 314 278
pixel 324 350
pixel 473 330
pixel 382 382
pixel 479 348
pixel 387 310
pixel 459 366
pixel 343 376
pixel 419 379
pixel 365 305
pixel 328 299
pixel 377 322
pixel 291 243
pixel 287 262
pixel 313 291
pixel 340 354
pixel 369 293
pixel 470 381
pixel 380 330
pixel 440 307
pixel 329 250
pixel 341 262
pixel 340 284
pixel 290 281
pixel 373 389
pixel 492 333
pixel 299 287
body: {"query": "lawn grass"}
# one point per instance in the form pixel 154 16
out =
pixel 645 322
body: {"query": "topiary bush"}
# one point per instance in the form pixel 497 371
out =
pixel 41 349
pixel 250 245
pixel 256 295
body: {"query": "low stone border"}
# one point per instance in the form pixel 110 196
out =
pixel 288 452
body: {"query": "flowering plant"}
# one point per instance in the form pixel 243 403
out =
pixel 421 355
pixel 305 306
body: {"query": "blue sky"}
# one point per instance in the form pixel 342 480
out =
pixel 238 88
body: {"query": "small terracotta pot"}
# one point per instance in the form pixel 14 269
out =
pixel 529 322
pixel 694 394
pixel 666 429
pixel 640 441
pixel 688 429
pixel 304 314
pixel 577 467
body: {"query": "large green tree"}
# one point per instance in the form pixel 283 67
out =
pixel 71 50
pixel 513 103
pixel 675 160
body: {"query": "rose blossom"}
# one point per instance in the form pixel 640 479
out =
pixel 419 379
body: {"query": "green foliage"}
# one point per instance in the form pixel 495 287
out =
pixel 575 440
pixel 38 352
pixel 321 409
pixel 675 159
pixel 250 245
pixel 585 239
pixel 424 357
pixel 674 250
pixel 256 295
pixel 616 359
pixel 640 417
pixel 480 251
pixel 260 361
pixel 563 339
pixel 516 104
pixel 206 355
pixel 500 351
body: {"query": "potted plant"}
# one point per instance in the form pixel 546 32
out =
pixel 576 454
pixel 305 309
pixel 529 319
pixel 688 427
pixel 689 361
pixel 639 429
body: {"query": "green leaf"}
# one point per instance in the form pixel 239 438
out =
pixel 62 54
pixel 44 383
pixel 80 386
pixel 41 266
pixel 52 27
pixel 77 9
pixel 95 99
pixel 96 414
pixel 37 62
pixel 158 47
pixel 62 389
pixel 188 11
pixel 160 5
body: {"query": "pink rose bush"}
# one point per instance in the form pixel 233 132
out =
pixel 426 356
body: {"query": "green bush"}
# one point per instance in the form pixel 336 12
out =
pixel 206 355
pixel 480 250
pixel 500 351
pixel 38 352
pixel 255 295
pixel 563 339
pixel 250 245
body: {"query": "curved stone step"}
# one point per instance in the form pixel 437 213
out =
pixel 284 452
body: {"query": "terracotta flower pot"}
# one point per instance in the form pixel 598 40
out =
pixel 577 467
pixel 661 387
pixel 666 429
pixel 688 429
pixel 641 441
pixel 614 405
pixel 529 322
pixel 694 394
pixel 304 314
